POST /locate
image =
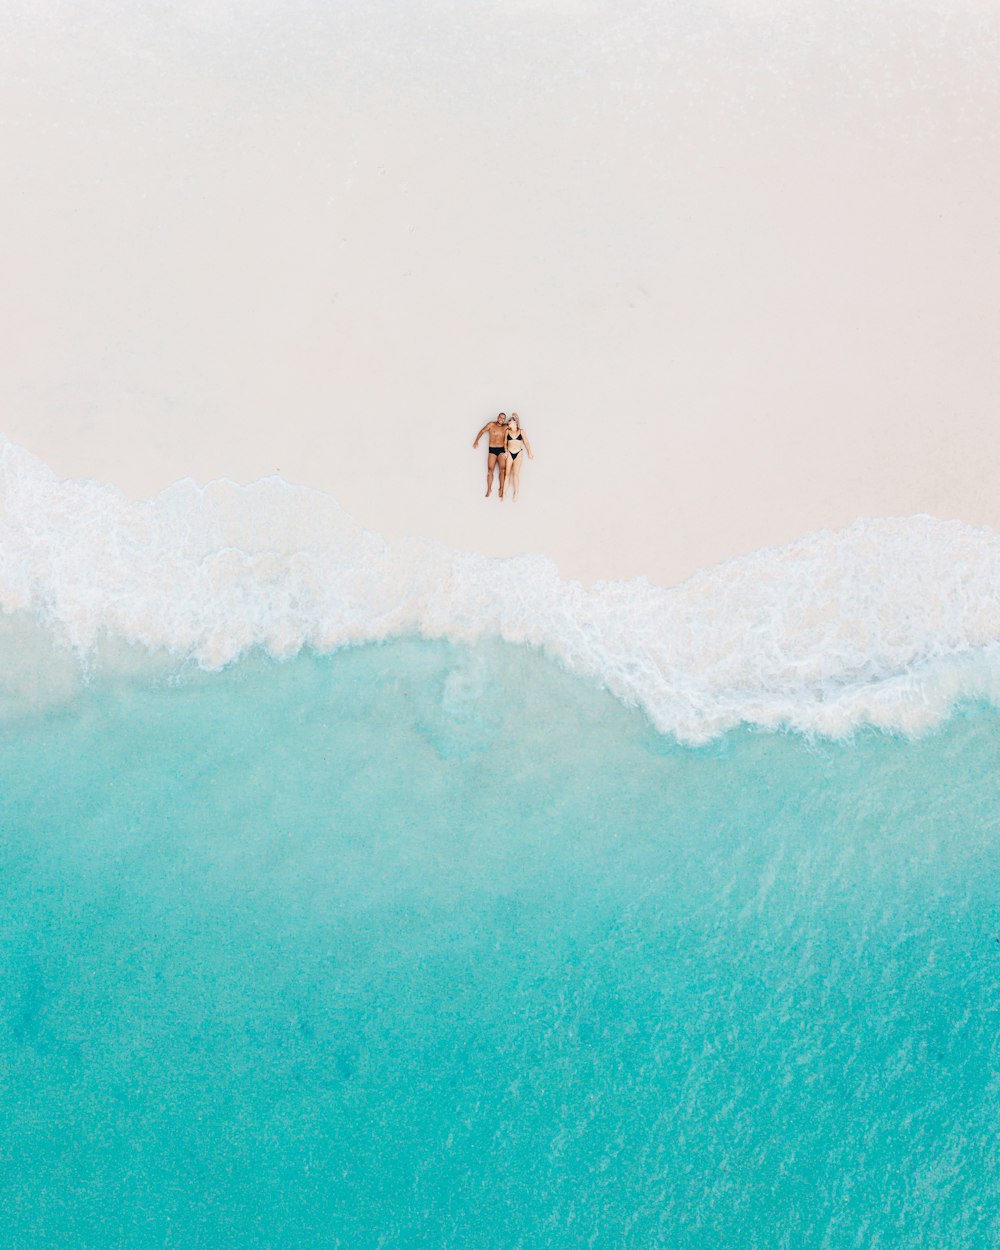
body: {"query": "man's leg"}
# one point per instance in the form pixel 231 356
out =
pixel 490 463
pixel 502 468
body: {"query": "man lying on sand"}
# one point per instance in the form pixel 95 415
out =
pixel 497 457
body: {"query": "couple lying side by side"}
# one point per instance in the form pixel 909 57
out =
pixel 507 441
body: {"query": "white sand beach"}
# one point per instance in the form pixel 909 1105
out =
pixel 737 271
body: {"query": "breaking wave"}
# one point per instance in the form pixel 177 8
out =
pixel 886 623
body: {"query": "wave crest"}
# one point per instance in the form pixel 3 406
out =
pixel 887 622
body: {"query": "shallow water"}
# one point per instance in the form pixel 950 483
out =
pixel 426 945
pixel 888 623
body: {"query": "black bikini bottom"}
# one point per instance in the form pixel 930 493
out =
pixel 513 454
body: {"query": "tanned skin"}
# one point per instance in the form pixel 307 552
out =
pixel 513 474
pixel 497 458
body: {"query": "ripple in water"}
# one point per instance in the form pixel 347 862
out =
pixel 424 945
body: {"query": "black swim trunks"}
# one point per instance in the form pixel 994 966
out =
pixel 496 451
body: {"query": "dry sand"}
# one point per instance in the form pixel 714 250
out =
pixel 738 289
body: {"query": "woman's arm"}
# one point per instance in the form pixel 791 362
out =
pixel 527 445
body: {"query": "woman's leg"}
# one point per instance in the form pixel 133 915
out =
pixel 516 471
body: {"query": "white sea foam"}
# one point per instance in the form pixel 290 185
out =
pixel 888 622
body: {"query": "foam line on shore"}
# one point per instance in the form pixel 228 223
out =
pixel 886 623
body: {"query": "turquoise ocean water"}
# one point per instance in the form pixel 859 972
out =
pixel 421 944
pixel 365 896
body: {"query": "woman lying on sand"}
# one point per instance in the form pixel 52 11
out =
pixel 517 441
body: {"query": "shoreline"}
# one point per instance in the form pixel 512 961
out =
pixel 636 534
pixel 835 630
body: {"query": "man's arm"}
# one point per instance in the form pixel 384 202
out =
pixel 481 433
